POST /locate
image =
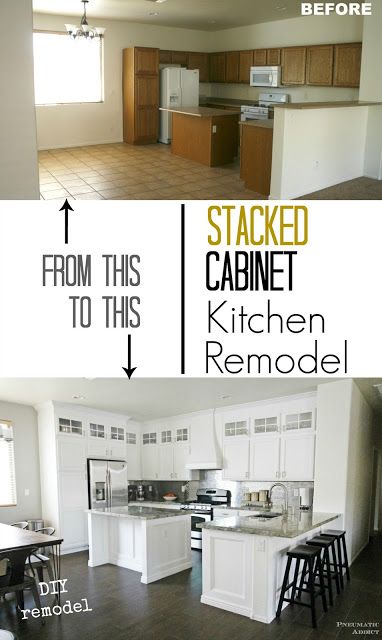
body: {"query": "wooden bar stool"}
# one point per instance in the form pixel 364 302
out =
pixel 311 556
pixel 341 549
pixel 327 544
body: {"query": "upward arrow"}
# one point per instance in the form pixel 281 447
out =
pixel 129 370
pixel 66 207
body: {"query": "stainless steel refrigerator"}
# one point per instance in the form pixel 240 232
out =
pixel 107 484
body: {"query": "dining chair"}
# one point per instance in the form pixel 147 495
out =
pixel 38 560
pixel 21 525
pixel 12 582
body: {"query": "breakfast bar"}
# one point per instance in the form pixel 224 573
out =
pixel 154 542
pixel 244 559
pixel 205 135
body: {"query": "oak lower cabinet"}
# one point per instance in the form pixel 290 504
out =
pixel 140 95
pixel 236 459
pixel 293 62
pixel 347 65
pixel 265 458
pixel 199 61
pixel 319 65
pixel 297 457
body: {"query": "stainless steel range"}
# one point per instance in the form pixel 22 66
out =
pixel 264 109
pixel 202 510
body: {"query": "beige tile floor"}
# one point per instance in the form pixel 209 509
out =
pixel 151 172
pixel 126 172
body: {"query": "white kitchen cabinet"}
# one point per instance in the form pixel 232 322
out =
pixel 71 454
pixel 166 461
pixel 133 455
pixel 181 457
pixel 265 458
pixel 150 466
pixel 236 459
pixel 297 457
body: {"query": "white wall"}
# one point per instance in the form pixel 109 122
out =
pixel 81 124
pixel 316 148
pixel 371 89
pixel 24 421
pixel 18 148
pixel 344 454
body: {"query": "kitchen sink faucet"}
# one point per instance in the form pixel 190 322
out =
pixel 280 484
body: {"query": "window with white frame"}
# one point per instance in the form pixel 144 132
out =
pixel 7 465
pixel 66 70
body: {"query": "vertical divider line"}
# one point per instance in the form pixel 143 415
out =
pixel 182 290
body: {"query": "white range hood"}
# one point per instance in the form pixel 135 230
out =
pixel 205 449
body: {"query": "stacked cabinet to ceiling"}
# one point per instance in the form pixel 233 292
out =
pixel 271 442
pixel 140 95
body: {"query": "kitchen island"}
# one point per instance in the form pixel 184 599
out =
pixel 244 559
pixel 205 135
pixel 154 542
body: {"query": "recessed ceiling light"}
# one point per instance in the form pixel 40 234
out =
pixel 153 13
pixel 281 8
pixel 78 397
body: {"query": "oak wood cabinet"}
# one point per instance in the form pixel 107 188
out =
pixel 245 64
pixel 179 57
pixel 199 61
pixel 260 57
pixel 217 67
pixel 232 66
pixel 165 57
pixel 273 57
pixel 293 62
pixel 140 95
pixel 319 65
pixel 347 65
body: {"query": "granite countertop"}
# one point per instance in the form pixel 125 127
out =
pixel 200 112
pixel 280 527
pixel 264 124
pixel 325 105
pixel 141 513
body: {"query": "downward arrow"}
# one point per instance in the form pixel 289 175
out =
pixel 129 370
pixel 66 207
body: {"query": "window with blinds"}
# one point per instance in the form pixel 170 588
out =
pixel 7 465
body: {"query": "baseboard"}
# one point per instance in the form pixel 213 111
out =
pixel 125 562
pixel 368 175
pixel 242 611
pixel 358 553
pixel 74 549
pixel 82 144
pixel 146 579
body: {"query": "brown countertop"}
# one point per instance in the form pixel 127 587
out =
pixel 200 112
pixel 264 124
pixel 325 105
pixel 228 102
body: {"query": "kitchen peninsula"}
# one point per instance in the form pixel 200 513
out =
pixel 244 559
pixel 155 542
pixel 205 135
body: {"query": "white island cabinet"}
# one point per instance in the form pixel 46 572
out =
pixel 154 542
pixel 244 559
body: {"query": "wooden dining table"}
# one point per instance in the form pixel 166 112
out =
pixel 16 545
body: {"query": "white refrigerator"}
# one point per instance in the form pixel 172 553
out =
pixel 178 88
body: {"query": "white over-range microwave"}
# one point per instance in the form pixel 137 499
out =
pixel 265 77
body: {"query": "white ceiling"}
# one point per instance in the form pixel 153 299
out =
pixel 207 15
pixel 156 397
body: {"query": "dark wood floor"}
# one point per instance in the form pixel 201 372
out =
pixel 170 609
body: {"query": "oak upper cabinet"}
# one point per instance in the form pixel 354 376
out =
pixel 179 57
pixel 140 95
pixel 293 62
pixel 260 57
pixel 232 66
pixel 273 57
pixel 319 65
pixel 297 457
pixel 245 64
pixel 236 448
pixel 347 65
pixel 200 61
pixel 165 57
pixel 217 67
